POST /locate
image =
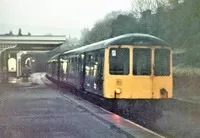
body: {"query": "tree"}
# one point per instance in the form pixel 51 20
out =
pixel 176 21
pixel 124 24
pixel 29 34
pixel 102 30
pixel 20 32
pixel 85 36
pixel 10 33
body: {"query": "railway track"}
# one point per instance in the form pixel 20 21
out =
pixel 174 123
pixel 137 119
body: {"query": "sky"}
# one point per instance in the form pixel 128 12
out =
pixel 58 17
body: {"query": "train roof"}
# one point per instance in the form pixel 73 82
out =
pixel 127 39
pixel 54 58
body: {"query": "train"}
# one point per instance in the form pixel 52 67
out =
pixel 132 72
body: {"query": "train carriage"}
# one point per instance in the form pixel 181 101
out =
pixel 129 67
pixel 53 66
pixel 132 66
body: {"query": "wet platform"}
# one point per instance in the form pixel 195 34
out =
pixel 32 109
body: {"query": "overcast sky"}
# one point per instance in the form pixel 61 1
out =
pixel 55 16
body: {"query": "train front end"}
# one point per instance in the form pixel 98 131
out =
pixel 138 72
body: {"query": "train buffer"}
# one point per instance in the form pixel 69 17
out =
pixel 40 111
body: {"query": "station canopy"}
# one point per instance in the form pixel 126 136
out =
pixel 31 43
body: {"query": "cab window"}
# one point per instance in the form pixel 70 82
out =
pixel 141 61
pixel 162 62
pixel 119 61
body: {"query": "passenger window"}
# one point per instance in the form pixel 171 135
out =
pixel 162 62
pixel 75 66
pixel 141 61
pixel 64 66
pixel 70 66
pixel 87 65
pixel 119 61
pixel 91 65
pixel 80 63
pixel 92 62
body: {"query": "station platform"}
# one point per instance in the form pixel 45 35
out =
pixel 33 110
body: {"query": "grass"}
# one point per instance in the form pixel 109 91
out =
pixel 186 62
pixel 186 71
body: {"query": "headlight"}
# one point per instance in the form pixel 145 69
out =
pixel 118 91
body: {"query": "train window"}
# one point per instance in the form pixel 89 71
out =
pixel 92 61
pixel 162 62
pixel 81 63
pixel 142 61
pixel 87 64
pixel 119 61
pixel 75 66
pixel 64 66
pixel 70 66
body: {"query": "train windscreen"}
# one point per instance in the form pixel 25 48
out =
pixel 162 62
pixel 119 61
pixel 141 61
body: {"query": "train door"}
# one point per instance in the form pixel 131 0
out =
pixel 142 73
pixel 117 73
pixel 94 72
pixel 81 71
pixel 99 74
